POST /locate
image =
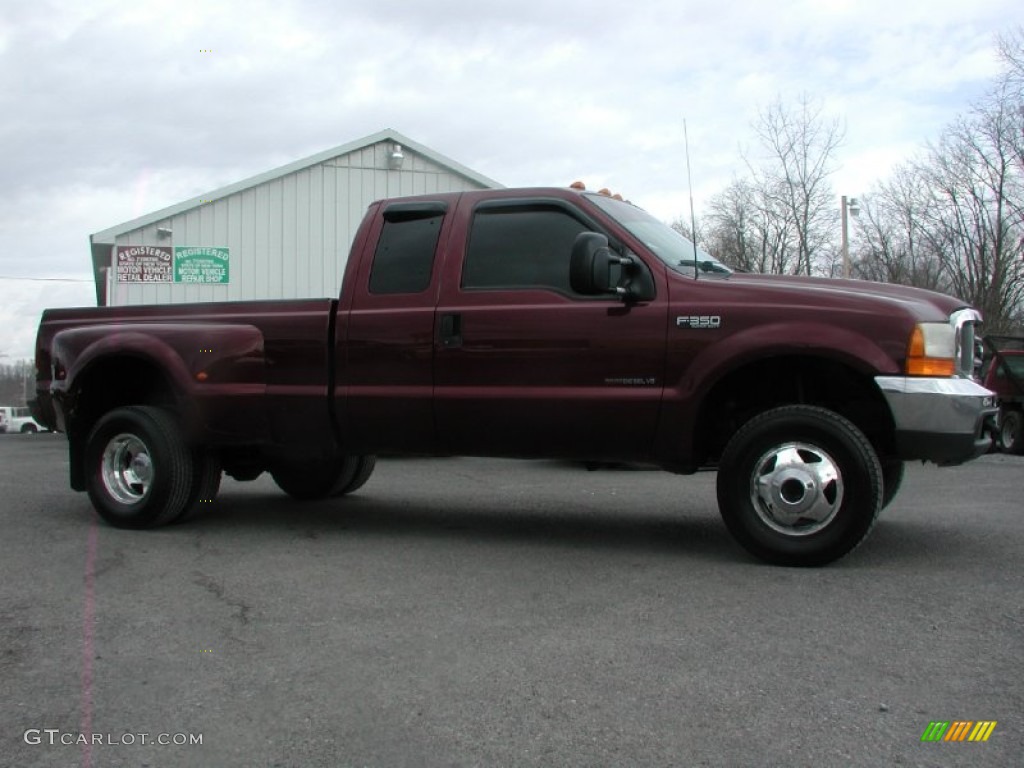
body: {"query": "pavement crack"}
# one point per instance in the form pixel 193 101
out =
pixel 117 560
pixel 242 610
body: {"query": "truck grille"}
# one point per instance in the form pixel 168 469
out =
pixel 965 321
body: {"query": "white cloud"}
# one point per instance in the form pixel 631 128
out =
pixel 112 109
pixel 23 306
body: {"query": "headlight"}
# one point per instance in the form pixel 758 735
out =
pixel 932 350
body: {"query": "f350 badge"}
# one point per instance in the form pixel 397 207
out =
pixel 699 321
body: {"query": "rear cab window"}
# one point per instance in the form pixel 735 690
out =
pixel 403 262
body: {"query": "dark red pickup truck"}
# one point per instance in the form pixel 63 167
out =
pixel 526 323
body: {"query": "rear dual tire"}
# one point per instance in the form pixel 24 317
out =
pixel 336 476
pixel 140 472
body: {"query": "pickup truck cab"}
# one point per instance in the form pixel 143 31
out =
pixel 526 323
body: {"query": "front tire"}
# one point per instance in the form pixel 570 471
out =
pixel 29 429
pixel 139 471
pixel 892 478
pixel 800 486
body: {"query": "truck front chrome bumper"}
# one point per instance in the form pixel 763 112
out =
pixel 939 419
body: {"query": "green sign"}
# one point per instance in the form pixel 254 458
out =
pixel 200 264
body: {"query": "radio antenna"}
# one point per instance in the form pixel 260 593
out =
pixel 693 216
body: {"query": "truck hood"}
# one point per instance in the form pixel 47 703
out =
pixel 854 295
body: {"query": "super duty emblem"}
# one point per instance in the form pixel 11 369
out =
pixel 699 321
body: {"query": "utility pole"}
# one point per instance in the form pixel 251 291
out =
pixel 848 207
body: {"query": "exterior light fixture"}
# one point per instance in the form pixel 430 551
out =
pixel 163 232
pixel 396 158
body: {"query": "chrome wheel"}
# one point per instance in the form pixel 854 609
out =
pixel 796 489
pixel 127 469
pixel 139 471
pixel 799 485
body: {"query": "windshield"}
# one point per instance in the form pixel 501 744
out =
pixel 663 241
pixel 1013 361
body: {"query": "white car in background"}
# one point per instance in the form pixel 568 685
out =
pixel 18 419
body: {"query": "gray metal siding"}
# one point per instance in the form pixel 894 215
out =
pixel 288 237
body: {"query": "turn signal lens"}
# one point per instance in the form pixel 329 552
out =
pixel 931 351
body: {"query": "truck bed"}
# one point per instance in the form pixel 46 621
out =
pixel 226 355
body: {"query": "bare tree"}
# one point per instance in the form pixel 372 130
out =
pixel 750 229
pixel 792 182
pixel 1011 51
pixel 730 234
pixel 893 247
pixel 953 220
pixel 782 218
pixel 684 226
pixel 14 379
pixel 1011 90
pixel 973 216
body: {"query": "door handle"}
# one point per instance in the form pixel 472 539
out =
pixel 450 331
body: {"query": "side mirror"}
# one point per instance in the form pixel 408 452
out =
pixel 595 269
pixel 590 266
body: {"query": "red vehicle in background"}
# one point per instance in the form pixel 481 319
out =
pixel 1002 372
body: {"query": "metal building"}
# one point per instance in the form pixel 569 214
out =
pixel 280 235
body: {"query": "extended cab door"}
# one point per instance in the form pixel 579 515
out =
pixel 385 335
pixel 523 365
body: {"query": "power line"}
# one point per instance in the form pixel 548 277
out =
pixel 48 279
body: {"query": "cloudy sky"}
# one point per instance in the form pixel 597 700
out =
pixel 111 109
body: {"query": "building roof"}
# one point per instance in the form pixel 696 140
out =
pixel 101 242
pixel 388 134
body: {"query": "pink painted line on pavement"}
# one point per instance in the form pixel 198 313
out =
pixel 88 634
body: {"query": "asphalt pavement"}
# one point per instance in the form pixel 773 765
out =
pixel 477 612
